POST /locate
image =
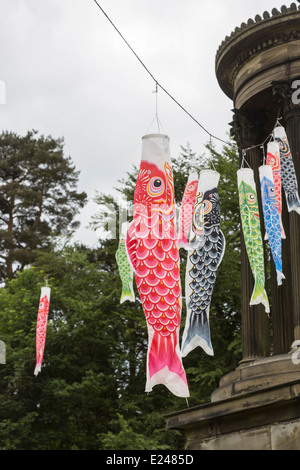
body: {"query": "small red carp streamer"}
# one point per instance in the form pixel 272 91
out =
pixel 273 160
pixel 152 247
pixel 187 209
pixel 41 327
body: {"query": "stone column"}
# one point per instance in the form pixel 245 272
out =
pixel 291 121
pixel 246 129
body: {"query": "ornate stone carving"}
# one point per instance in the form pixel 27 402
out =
pixel 251 39
pixel 284 91
pixel 266 15
pixel 247 127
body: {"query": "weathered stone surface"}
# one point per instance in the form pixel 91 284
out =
pixel 248 440
pixel 275 437
pixel 263 416
pixel 257 374
pixel 285 436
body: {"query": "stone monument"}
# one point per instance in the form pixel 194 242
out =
pixel 257 406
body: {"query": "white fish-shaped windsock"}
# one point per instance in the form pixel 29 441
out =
pixel 204 258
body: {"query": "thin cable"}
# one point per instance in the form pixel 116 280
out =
pixel 156 118
pixel 262 144
pixel 157 82
pixel 156 107
pixel 211 136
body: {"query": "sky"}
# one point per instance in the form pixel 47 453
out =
pixel 65 72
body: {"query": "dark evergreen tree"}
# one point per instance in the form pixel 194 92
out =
pixel 38 197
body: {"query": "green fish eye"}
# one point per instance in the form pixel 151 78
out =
pixel 251 198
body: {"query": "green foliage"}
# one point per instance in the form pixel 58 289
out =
pixel 76 387
pixel 127 439
pixel 38 197
pixel 90 392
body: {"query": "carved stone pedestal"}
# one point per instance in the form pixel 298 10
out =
pixel 256 407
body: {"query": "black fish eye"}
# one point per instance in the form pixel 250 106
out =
pixel 157 183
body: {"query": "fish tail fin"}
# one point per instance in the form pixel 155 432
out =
pixel 164 364
pixel 293 202
pixel 283 235
pixel 197 334
pixel 259 296
pixel 280 277
pixel 183 242
pixel 37 369
pixel 127 293
pixel 38 366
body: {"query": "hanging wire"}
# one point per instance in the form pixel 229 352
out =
pixel 270 136
pixel 244 160
pixel 156 118
pixel 157 82
pixel 158 85
pixel 264 154
pixel 156 106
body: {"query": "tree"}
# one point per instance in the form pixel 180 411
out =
pixel 90 392
pixel 88 395
pixel 68 405
pixel 38 197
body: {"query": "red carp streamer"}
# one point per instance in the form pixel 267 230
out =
pixel 153 251
pixel 41 327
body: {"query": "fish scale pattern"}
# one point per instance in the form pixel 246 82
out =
pixel 206 261
pixel 152 247
pixel 158 282
pixel 288 174
pixel 273 160
pixel 186 210
pixel 252 234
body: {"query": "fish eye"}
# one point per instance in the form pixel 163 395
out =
pixel 251 198
pixel 155 187
pixel 207 206
pixel 198 218
pixel 191 187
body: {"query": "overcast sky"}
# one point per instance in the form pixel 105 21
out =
pixel 68 74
